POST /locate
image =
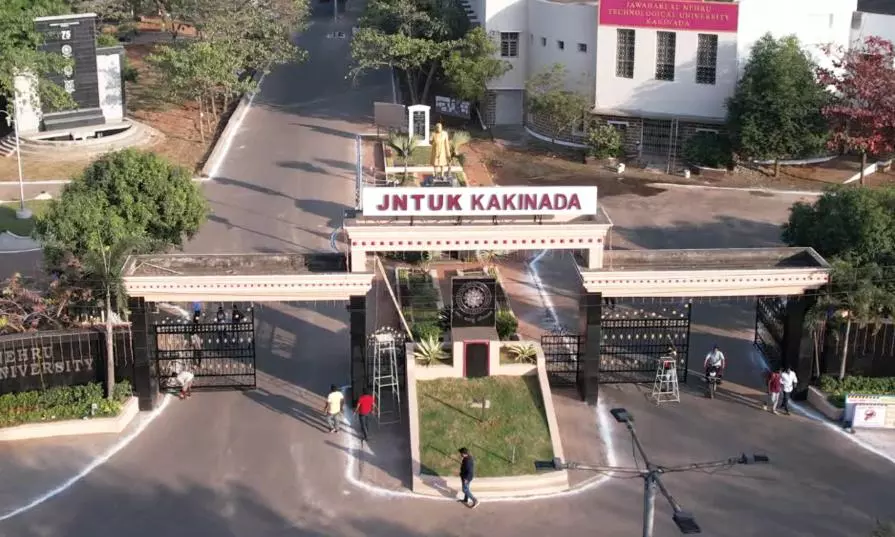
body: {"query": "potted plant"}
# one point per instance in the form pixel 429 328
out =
pixel 429 351
pixel 524 353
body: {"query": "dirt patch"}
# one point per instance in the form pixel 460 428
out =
pixel 834 171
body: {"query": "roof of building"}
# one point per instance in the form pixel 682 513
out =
pixel 882 7
pixel 232 264
pixel 713 259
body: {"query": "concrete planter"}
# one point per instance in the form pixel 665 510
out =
pixel 710 173
pixel 115 425
pixel 818 400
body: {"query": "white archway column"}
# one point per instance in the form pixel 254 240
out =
pixel 595 257
pixel 358 260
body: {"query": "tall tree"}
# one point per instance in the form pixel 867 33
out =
pixel 20 49
pixel 124 194
pixel 472 64
pixel 775 112
pixel 559 109
pixel 862 114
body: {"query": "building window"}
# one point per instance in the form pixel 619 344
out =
pixel 509 44
pixel 582 47
pixel 543 41
pixel 706 59
pixel 561 45
pixel 624 56
pixel 666 43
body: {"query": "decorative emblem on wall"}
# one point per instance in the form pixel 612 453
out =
pixel 474 302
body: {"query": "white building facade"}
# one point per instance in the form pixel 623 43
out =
pixel 659 69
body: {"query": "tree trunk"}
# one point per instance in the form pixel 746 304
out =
pixel 425 95
pixel 844 350
pixel 776 167
pixel 863 166
pixel 110 349
pixel 411 87
pixel 201 119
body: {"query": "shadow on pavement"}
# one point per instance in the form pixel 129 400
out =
pixel 326 209
pixel 328 130
pixel 250 186
pixel 290 407
pixel 306 167
pixel 722 232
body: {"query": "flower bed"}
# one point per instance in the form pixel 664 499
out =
pixel 61 403
pixel 836 390
pixel 420 303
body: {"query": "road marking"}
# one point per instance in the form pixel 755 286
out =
pixel 96 463
pixel 213 172
pixel 738 189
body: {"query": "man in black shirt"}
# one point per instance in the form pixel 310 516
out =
pixel 467 473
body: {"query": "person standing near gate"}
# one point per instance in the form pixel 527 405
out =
pixel 363 410
pixel 467 474
pixel 788 381
pixel 774 386
pixel 333 408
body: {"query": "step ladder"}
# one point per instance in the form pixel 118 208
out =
pixel 665 387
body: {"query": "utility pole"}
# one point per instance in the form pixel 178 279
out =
pixel 12 119
pixel 652 477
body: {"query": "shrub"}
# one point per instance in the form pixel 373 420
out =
pixel 836 389
pixel 708 149
pixel 127 31
pixel 106 40
pixel 444 318
pixel 429 351
pixel 506 324
pixel 61 403
pixel 604 141
pixel 523 353
pixel 425 330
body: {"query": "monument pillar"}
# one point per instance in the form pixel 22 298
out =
pixel 418 123
pixel 145 370
pixel 793 334
pixel 357 313
pixel 591 319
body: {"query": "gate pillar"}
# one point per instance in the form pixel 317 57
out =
pixel 145 374
pixel 357 313
pixel 591 319
pixel 793 332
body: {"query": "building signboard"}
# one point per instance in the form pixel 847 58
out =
pixel 473 302
pixel 74 38
pixel 870 411
pixel 480 201
pixel 682 15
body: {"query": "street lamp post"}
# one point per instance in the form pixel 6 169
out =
pixel 652 482
pixel 23 213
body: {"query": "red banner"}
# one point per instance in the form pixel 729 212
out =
pixel 683 15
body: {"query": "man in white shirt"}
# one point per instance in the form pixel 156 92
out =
pixel 715 359
pixel 788 380
pixel 333 408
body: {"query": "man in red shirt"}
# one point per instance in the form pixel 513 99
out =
pixel 363 410
pixel 774 388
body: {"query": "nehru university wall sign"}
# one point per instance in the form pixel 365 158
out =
pixel 479 201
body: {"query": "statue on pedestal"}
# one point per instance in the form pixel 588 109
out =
pixel 440 154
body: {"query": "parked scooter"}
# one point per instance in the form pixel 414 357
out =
pixel 712 379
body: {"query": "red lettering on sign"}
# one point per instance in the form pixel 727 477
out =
pixel 477 202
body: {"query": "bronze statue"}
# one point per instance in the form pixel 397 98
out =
pixel 440 155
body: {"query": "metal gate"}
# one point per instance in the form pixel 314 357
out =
pixel 220 355
pixel 635 341
pixel 561 353
pixel 770 314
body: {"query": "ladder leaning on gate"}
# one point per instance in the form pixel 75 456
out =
pixel 665 387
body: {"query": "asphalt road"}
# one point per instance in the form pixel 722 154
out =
pixel 259 464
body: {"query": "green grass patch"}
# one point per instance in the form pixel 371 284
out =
pixel 61 403
pixel 515 418
pixel 9 222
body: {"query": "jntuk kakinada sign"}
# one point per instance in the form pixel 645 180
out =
pixel 479 201
pixel 684 15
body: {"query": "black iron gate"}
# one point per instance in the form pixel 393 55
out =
pixel 221 355
pixel 770 314
pixel 634 341
pixel 561 353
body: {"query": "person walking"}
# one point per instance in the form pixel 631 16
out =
pixel 788 381
pixel 363 410
pixel 774 388
pixel 333 408
pixel 467 473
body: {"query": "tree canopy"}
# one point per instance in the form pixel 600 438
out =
pixel 473 63
pixel 862 113
pixel 775 112
pixel 121 195
pixel 20 52
pixel 854 229
pixel 558 108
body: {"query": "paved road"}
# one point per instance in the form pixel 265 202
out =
pixel 258 464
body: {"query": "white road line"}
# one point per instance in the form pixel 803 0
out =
pixel 96 463
pixel 740 189
pixel 213 172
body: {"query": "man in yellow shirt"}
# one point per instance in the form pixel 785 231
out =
pixel 333 408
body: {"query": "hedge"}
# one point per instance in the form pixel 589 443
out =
pixel 836 389
pixel 61 403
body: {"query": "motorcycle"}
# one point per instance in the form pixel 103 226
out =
pixel 712 379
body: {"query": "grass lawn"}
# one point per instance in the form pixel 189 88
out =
pixel 515 418
pixel 9 222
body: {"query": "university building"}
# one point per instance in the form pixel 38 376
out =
pixel 660 70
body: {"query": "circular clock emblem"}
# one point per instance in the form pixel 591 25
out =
pixel 473 298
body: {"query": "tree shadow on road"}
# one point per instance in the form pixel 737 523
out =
pixel 306 167
pixel 722 232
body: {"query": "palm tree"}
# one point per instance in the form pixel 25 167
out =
pixel 458 140
pixel 104 268
pixel 403 144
